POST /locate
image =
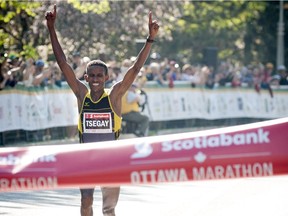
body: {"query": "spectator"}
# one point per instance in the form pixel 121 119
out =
pixel 247 76
pixel 11 72
pixel 218 78
pixel 205 76
pixel 56 75
pixel 282 72
pixel 236 80
pixel 154 73
pixel 173 71
pixel 141 79
pixel 131 111
pixel 186 73
pixel 126 64
pixel 189 74
pixel 275 80
pixel 41 75
pixel 266 76
pixel 112 72
pixel 7 79
pixel 155 57
pixel 80 70
pixel 76 60
pixel 28 73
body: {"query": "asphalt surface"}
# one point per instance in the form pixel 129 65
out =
pixel 250 197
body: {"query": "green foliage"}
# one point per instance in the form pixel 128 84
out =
pixel 10 9
pixel 261 35
pixel 220 24
pixel 241 30
pixel 3 38
pixel 14 19
pixel 29 52
pixel 85 7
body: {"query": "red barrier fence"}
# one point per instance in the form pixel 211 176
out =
pixel 252 150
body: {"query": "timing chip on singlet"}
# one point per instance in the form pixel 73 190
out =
pixel 97 122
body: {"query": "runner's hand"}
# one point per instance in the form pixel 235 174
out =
pixel 51 17
pixel 153 27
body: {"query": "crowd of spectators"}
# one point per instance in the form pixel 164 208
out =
pixel 38 73
pixel 29 73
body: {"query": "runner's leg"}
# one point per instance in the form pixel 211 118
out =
pixel 110 198
pixel 86 202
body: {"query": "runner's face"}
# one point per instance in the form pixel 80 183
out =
pixel 96 78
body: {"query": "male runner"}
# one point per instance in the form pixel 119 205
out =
pixel 96 103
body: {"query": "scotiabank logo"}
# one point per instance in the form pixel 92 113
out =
pixel 16 160
pixel 260 136
pixel 143 150
pixel 221 140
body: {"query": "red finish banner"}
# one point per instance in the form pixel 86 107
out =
pixel 251 150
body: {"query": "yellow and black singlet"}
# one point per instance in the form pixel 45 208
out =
pixel 97 120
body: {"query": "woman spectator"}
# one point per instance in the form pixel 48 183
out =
pixel 154 73
pixel 189 74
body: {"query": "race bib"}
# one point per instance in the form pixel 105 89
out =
pixel 97 123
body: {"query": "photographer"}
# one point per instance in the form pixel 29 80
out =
pixel 131 112
pixel 11 71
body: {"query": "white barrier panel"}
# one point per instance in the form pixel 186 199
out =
pixel 188 103
pixel 253 150
pixel 35 109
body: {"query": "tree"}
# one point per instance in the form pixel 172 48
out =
pixel 220 24
pixel 261 37
pixel 17 32
pixel 241 30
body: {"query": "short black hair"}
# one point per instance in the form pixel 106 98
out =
pixel 97 63
pixel 76 53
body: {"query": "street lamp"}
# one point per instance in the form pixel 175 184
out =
pixel 280 37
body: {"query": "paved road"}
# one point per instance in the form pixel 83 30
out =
pixel 238 197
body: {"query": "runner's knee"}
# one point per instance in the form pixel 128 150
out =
pixel 86 202
pixel 110 199
pixel 108 211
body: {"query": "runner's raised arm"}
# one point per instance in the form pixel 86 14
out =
pixel 76 85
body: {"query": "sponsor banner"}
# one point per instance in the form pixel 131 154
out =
pixel 36 109
pixel 189 103
pixel 252 150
